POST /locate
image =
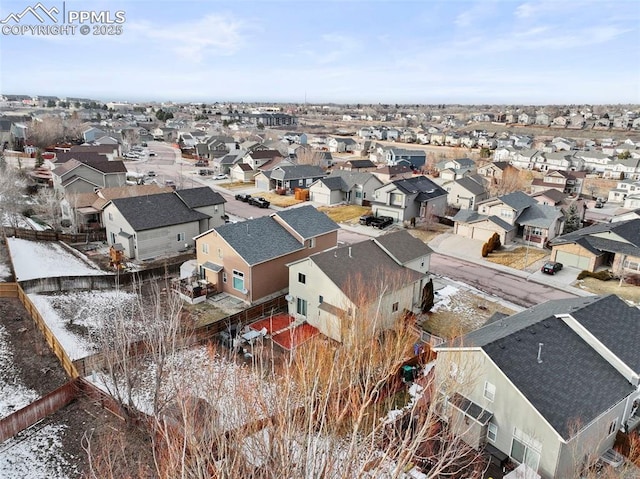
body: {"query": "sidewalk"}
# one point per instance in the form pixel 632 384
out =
pixel 448 244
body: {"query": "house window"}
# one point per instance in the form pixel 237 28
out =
pixel 224 276
pixel 219 252
pixel 110 216
pixel 113 238
pixel 505 213
pixel 358 194
pixel 238 280
pixel 205 248
pixel 312 243
pixel 396 199
pixel 320 299
pixel 492 432
pixel 394 307
pixel 525 449
pixel 301 308
pixel 613 427
pixel 215 208
pixel 489 391
pixel 180 237
pixel 302 278
pixel 634 265
pixel 536 232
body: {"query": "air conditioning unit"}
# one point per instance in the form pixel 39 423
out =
pixel 289 298
pixel 245 291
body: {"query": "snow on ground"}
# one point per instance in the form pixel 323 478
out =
pixel 35 453
pixel 13 395
pixel 443 298
pixel 74 317
pixel 5 271
pixel 34 259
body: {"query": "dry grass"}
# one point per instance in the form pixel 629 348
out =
pixel 279 200
pixel 461 313
pixel 517 257
pixel 204 313
pixel 595 286
pixel 235 185
pixel 345 213
pixel 427 235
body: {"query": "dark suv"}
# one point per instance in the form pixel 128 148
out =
pixel 259 201
pixel 551 267
pixel 381 222
pixel 366 219
pixel 243 197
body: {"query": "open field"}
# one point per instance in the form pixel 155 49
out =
pixel 345 213
pixel 518 258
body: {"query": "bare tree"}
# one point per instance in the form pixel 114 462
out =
pixel 309 156
pixel 12 204
pixel 47 206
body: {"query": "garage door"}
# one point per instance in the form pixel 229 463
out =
pixel 481 234
pixel 321 198
pixel 262 185
pixel 464 230
pixel 569 259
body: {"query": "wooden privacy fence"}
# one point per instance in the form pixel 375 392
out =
pixel 48 235
pixel 37 410
pixel 52 341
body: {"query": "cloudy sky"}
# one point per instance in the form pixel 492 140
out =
pixel 366 51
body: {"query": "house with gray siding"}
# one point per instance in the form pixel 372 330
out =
pixel 549 387
pixel 207 201
pixel 153 226
pixel 343 186
pixel 75 176
pixel 404 199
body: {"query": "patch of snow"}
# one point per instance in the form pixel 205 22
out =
pixel 35 259
pixel 68 315
pixel 35 453
pixel 5 271
pixel 444 297
pixel 14 395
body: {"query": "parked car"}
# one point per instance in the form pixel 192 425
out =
pixel 202 163
pixel 151 173
pixel 259 201
pixel 243 197
pixel 551 267
pixel 205 172
pixel 170 183
pixel 220 177
pixel 152 153
pixel 381 222
pixel 366 219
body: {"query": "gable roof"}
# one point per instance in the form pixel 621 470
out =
pixel 471 185
pixel 352 267
pixel 402 246
pixel 554 195
pixel 629 231
pixel 517 200
pixel 557 386
pixel 264 154
pixel 297 171
pixel 541 216
pixel 307 221
pixel 156 211
pixel 351 178
pixel 361 163
pixel 421 185
pixel 259 240
pixel 334 183
pixel 199 197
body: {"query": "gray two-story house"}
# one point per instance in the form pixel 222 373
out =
pixel 404 199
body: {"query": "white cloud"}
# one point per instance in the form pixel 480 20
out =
pixel 213 34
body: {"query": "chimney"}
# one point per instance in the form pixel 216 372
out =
pixel 540 352
pixel 350 252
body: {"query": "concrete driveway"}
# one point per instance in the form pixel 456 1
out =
pixel 459 246
pixel 565 277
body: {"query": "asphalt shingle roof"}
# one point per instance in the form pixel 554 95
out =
pixel 307 221
pixel 334 183
pixel 403 246
pixel 259 240
pixel 596 237
pixel 471 185
pixel 540 216
pixel 296 172
pixel 156 211
pixel 421 185
pixel 517 200
pixel 199 197
pixel 573 384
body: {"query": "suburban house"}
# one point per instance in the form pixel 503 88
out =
pixel 460 167
pixel 387 174
pixel 84 210
pixel 223 165
pixel 151 226
pixel 569 182
pixel 75 176
pixel 242 172
pixel 414 159
pixel 624 189
pixel 615 246
pixel 358 165
pixel 342 145
pixel 466 192
pixel 257 159
pixel 549 387
pixel 512 215
pixel 204 200
pixel 249 260
pixel 288 177
pixel 496 171
pixel 344 186
pixel 370 284
pixel 416 197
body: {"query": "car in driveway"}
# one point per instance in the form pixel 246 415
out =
pixel 243 197
pixel 151 173
pixel 220 177
pixel 551 267
pixel 381 222
pixel 366 220
pixel 259 201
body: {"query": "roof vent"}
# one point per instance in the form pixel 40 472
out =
pixel 540 352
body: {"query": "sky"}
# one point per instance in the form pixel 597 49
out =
pixel 341 51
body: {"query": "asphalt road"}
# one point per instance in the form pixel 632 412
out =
pixel 503 285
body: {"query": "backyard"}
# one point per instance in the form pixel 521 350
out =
pixel 345 213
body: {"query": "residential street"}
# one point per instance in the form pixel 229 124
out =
pixel 510 287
